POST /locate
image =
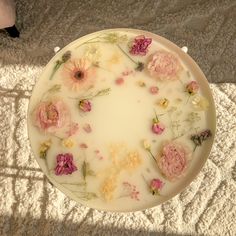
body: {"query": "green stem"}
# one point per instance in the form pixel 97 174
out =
pixel 152 155
pixel 57 137
pixel 156 115
pixel 126 54
pixel 102 68
pixel 89 41
pixel 188 100
pixel 146 182
pixel 195 148
pixel 56 67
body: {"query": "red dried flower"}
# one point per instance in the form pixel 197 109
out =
pixel 140 45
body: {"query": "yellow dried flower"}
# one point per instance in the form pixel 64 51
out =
pixel 164 102
pixel 131 161
pixel 108 187
pixel 200 103
pixel 115 58
pixel 146 144
pixel 44 148
pixel 93 53
pixel 141 84
pixel 68 143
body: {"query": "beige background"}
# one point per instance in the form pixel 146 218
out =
pixel 29 205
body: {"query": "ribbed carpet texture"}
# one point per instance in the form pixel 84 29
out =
pixel 29 205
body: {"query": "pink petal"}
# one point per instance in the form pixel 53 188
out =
pixel 119 81
pixel 87 128
pixel 83 145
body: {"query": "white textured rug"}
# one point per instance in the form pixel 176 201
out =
pixel 29 205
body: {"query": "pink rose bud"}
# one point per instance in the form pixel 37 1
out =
pixel 155 186
pixel 192 88
pixel 119 81
pixel 154 90
pixel 157 127
pixel 85 105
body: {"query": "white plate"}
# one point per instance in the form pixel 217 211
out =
pixel 120 119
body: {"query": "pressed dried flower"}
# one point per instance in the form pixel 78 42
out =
pixel 65 165
pixel 192 87
pixel 140 45
pixel 65 57
pixel 68 143
pixel 139 67
pixel 154 90
pixel 164 102
pixel 78 74
pixel 83 145
pixel 108 187
pixel 141 84
pixel 93 54
pixel 146 144
pixel 199 138
pixel 51 115
pixel 131 161
pixel 155 186
pixel 87 128
pixel 73 129
pixel 200 103
pixel 163 65
pixel 131 191
pixel 173 160
pixel 44 147
pixel 85 105
pixel 119 81
pixel 115 38
pixel 157 126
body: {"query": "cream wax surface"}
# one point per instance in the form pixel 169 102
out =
pixel 121 120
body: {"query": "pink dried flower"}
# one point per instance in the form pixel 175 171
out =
pixel 131 191
pixel 119 81
pixel 65 165
pixel 173 160
pixel 83 145
pixel 87 128
pixel 164 65
pixel 140 45
pixel 85 105
pixel 158 128
pixel 78 74
pixel 73 129
pixel 127 72
pixel 51 115
pixel 192 87
pixel 155 186
pixel 154 90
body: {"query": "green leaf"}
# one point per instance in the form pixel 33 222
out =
pixel 103 92
pixel 43 154
pixel 114 38
pixel 84 169
pixel 91 173
pixel 55 68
